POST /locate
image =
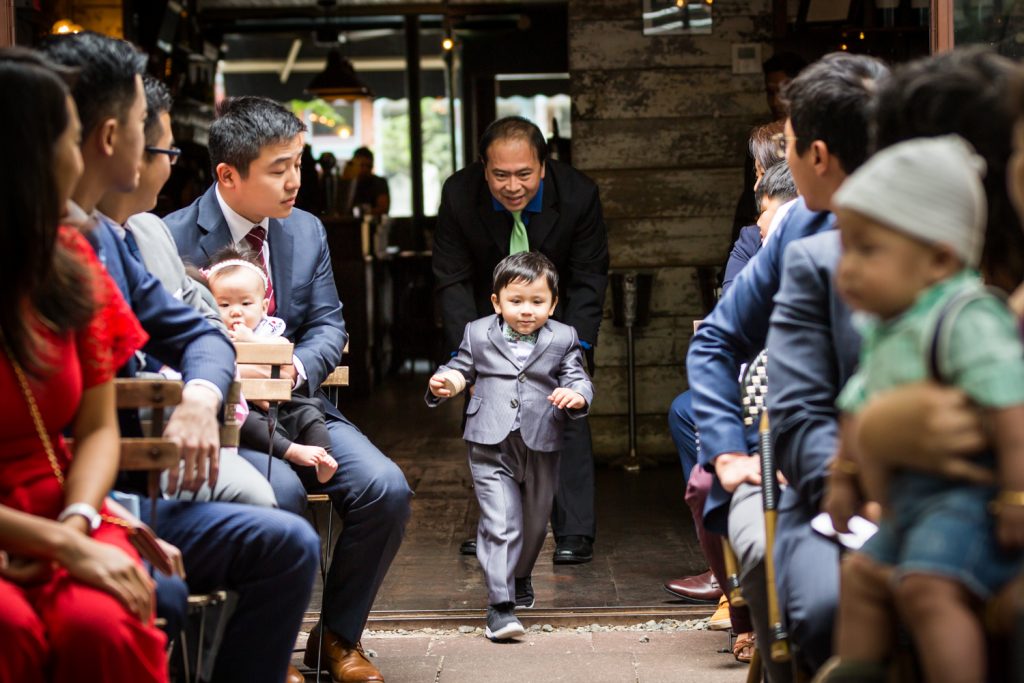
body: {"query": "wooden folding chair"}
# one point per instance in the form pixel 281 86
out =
pixel 273 390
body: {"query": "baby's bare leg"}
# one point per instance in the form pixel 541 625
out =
pixel 864 629
pixel 942 618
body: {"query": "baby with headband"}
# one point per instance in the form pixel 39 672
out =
pixel 239 286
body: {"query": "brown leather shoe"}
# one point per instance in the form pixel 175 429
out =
pixel 347 664
pixel 294 675
pixel 701 589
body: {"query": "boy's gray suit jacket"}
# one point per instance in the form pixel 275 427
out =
pixel 503 388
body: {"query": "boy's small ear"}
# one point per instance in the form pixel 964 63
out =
pixel 494 302
pixel 554 304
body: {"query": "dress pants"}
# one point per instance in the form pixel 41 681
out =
pixel 239 482
pixel 373 498
pixel 806 573
pixel 267 557
pixel 515 487
pixel 573 512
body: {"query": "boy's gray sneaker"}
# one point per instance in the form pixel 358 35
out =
pixel 524 593
pixel 502 623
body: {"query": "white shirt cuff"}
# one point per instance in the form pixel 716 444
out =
pixel 209 385
pixel 300 372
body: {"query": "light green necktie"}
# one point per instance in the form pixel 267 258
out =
pixel 519 241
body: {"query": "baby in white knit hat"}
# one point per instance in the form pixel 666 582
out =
pixel 912 223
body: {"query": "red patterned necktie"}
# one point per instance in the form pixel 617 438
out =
pixel 256 238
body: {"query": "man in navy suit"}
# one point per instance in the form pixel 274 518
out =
pixel 256 152
pixel 266 557
pixel 826 139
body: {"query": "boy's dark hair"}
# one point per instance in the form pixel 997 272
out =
pixel 967 92
pixel 107 67
pixel 789 63
pixel 830 101
pixel 526 266
pixel 776 183
pixel 513 128
pixel 244 126
pixel 158 101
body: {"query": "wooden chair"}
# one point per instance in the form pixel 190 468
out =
pixel 273 390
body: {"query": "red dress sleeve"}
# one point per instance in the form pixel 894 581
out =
pixel 107 341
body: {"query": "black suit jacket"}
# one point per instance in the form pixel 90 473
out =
pixel 472 237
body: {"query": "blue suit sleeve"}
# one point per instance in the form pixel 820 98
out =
pixel 734 333
pixel 804 374
pixel 320 338
pixel 178 335
pixel 746 246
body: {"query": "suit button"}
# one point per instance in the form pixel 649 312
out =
pixel 514 403
pixel 522 377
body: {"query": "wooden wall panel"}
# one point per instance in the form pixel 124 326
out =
pixel 659 93
pixel 661 143
pixel 660 123
pixel 654 242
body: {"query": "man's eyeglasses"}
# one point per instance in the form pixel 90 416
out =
pixel 172 153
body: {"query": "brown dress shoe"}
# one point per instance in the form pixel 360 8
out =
pixel 701 589
pixel 347 664
pixel 294 675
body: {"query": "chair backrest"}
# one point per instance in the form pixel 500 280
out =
pixel 275 355
pixel 150 453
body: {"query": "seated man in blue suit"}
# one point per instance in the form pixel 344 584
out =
pixel 267 557
pixel 256 150
pixel 826 138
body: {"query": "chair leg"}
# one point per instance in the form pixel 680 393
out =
pixel 755 673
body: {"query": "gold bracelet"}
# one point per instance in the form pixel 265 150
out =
pixel 845 466
pixel 1014 498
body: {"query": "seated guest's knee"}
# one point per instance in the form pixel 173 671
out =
pixel 23 635
pixel 388 493
pixel 171 602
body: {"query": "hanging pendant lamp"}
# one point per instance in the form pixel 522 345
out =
pixel 338 80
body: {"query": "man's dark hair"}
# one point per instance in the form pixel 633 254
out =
pixel 514 128
pixel 244 126
pixel 830 101
pixel 107 67
pixel 158 101
pixel 363 152
pixel 776 183
pixel 37 269
pixel 790 63
pixel 967 92
pixel 526 266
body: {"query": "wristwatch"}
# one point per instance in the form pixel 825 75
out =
pixel 82 510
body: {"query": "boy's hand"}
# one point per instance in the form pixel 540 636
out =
pixel 567 399
pixel 437 387
pixel 1010 526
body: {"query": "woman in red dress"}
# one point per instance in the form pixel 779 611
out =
pixel 75 601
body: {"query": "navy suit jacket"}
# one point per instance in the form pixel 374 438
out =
pixel 178 335
pixel 471 238
pixel 744 249
pixel 735 332
pixel 812 351
pixel 300 268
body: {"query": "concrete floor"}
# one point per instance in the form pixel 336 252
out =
pixel 645 536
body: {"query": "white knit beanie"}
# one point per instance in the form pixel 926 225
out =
pixel 928 188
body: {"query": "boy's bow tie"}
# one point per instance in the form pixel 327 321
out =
pixel 514 336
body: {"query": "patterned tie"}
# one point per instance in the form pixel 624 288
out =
pixel 519 241
pixel 257 238
pixel 513 336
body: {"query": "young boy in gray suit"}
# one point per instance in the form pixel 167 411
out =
pixel 527 377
